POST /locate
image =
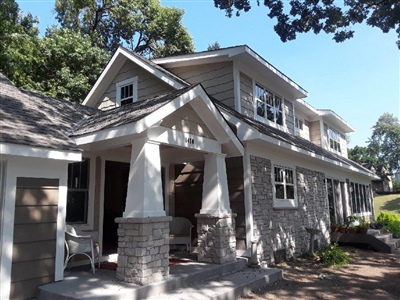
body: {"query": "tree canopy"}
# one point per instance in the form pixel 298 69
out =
pixel 144 26
pixel 332 17
pixel 383 147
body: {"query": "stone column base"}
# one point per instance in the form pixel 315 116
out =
pixel 143 249
pixel 216 238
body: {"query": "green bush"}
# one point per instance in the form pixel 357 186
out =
pixel 391 222
pixel 333 256
pixel 396 186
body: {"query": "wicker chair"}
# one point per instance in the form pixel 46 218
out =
pixel 79 244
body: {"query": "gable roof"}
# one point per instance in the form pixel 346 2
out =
pixel 120 56
pixel 33 119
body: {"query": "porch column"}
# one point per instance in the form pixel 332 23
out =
pixel 144 197
pixel 215 222
pixel 143 231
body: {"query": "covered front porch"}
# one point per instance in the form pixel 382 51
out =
pixel 133 184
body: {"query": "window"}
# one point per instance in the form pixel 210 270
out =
pixel 126 91
pixel 334 140
pixel 360 199
pixel 78 192
pixel 268 105
pixel 298 124
pixel 284 186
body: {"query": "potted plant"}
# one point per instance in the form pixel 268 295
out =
pixel 334 226
pixel 353 229
pixel 363 227
pixel 342 229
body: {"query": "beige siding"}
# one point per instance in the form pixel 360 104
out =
pixel 35 228
pixel 315 133
pixel 148 85
pixel 185 119
pixel 289 117
pixel 305 133
pixel 246 95
pixel 216 78
pixel 343 144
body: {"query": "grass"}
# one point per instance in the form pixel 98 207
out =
pixel 387 203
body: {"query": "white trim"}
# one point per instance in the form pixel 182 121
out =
pixel 236 88
pixel 248 133
pixel 30 151
pixel 118 85
pixel 118 59
pixel 284 203
pixel 248 197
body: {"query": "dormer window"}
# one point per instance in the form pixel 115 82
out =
pixel 126 91
pixel 298 125
pixel 268 105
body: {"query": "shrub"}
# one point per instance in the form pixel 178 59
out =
pixel 391 222
pixel 396 186
pixel 333 256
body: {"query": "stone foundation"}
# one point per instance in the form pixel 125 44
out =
pixel 143 249
pixel 216 238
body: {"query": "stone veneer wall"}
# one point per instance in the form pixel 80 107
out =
pixel 216 238
pixel 143 249
pixel 277 229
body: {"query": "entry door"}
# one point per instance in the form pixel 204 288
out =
pixel 115 189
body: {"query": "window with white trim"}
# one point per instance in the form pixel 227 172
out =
pixel 284 186
pixel 78 192
pixel 299 125
pixel 334 140
pixel 268 105
pixel 126 91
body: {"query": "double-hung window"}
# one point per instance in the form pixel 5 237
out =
pixel 78 192
pixel 127 91
pixel 284 187
pixel 298 124
pixel 268 105
pixel 334 140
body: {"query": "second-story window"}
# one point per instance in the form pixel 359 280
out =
pixel 268 105
pixel 298 124
pixel 126 91
pixel 334 140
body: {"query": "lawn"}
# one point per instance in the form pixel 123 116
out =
pixel 388 203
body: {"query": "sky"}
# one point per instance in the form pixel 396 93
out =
pixel 358 79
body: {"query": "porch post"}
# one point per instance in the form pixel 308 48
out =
pixel 144 197
pixel 143 231
pixel 215 222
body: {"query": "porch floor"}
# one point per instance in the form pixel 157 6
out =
pixel 80 283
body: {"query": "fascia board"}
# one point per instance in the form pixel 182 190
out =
pixel 105 79
pixel 36 152
pixel 337 120
pixel 285 145
pixel 244 131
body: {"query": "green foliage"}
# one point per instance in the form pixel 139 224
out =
pixel 333 256
pixel 391 222
pixel 362 156
pixel 385 141
pixel 213 46
pixel 329 16
pixel 388 203
pixel 145 26
pixel 396 186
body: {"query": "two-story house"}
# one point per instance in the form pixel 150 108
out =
pixel 222 138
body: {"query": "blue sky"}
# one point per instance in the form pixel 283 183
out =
pixel 358 79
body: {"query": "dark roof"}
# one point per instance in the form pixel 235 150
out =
pixel 125 114
pixel 290 139
pixel 33 119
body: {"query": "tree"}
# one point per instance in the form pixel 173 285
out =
pixel 213 46
pixel 298 16
pixel 362 156
pixel 145 26
pixel 71 64
pixel 385 141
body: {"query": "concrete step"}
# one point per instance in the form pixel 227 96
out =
pixel 385 238
pixel 230 286
pixel 82 284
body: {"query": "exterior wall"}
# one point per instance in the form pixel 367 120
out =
pixel 216 78
pixel 185 119
pixel 148 85
pixel 35 232
pixel 315 133
pixel 305 133
pixel 18 166
pixel 283 229
pixel 246 95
